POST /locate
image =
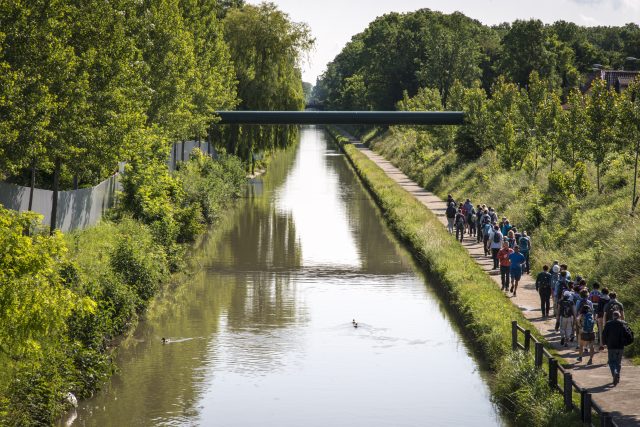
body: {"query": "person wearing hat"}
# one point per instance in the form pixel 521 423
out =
pixel 616 335
pixel 566 318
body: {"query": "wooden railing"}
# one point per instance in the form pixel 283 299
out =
pixel 560 379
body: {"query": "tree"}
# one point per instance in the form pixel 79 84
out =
pixel 572 135
pixel 266 49
pixel 507 124
pixel 630 132
pixel 602 117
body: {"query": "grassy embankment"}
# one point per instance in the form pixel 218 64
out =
pixel 90 287
pixel 568 219
pixel 485 313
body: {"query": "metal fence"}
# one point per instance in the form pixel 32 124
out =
pixel 560 379
pixel 82 208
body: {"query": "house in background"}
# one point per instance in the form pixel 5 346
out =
pixel 619 80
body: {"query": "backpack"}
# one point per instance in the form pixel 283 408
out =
pixel 497 237
pixel 594 297
pixel 524 244
pixel 566 308
pixel 616 306
pixel 459 219
pixel 587 321
pixel 628 334
pixel 545 284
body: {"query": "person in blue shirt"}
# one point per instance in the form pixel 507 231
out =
pixel 517 263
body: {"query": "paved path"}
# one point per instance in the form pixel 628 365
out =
pixel 623 401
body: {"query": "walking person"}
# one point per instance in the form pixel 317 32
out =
pixel 486 233
pixel 471 221
pixel 566 317
pixel 517 264
pixel 511 238
pixel 604 299
pixel 451 216
pixel 479 215
pixel 586 325
pixel 505 264
pixel 611 306
pixel 555 275
pixel 460 221
pixel 525 246
pixel 543 286
pixel 495 244
pixel 616 335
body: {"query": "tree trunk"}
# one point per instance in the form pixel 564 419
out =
pixel 33 182
pixel 183 144
pixel 75 181
pixel 56 188
pixel 598 178
pixel 552 152
pixel 209 142
pixel 634 198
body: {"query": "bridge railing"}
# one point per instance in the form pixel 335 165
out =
pixel 560 379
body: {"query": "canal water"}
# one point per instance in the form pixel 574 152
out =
pixel 262 333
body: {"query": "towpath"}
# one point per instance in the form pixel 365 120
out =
pixel 622 401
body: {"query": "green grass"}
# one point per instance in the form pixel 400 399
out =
pixel 483 310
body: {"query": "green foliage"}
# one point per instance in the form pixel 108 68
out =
pixel 524 391
pixel 266 50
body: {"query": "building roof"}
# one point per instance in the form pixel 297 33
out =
pixel 616 79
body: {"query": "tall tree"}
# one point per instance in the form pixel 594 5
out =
pixel 602 116
pixel 630 132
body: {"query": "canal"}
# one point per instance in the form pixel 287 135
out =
pixel 262 334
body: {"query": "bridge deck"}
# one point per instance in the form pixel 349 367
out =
pixel 342 117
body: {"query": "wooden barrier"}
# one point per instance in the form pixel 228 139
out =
pixel 554 368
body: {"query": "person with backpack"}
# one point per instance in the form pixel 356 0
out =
pixel 583 300
pixel 566 318
pixel 486 232
pixel 506 227
pixel 524 241
pixel 495 244
pixel 613 305
pixel 543 286
pixel 616 335
pixel 471 221
pixel 479 215
pixel 586 324
pixel 562 286
pixel 511 239
pixel 493 215
pixel 450 213
pixel 505 264
pixel 555 276
pixel 517 263
pixel 604 299
pixel 460 221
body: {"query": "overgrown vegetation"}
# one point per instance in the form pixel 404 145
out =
pixel 485 312
pixel 65 299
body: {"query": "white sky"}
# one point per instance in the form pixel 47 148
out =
pixel 334 22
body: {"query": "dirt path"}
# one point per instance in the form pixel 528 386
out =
pixel 623 401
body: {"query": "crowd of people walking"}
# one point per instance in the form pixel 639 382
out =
pixel 586 315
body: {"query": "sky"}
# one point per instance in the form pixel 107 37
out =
pixel 334 22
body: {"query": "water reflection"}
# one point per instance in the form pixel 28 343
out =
pixel 262 335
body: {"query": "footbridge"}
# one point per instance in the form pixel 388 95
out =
pixel 341 117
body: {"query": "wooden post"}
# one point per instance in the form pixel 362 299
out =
pixel 568 390
pixel 585 406
pixel 605 419
pixel 527 340
pixel 553 373
pixel 539 352
pixel 514 334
